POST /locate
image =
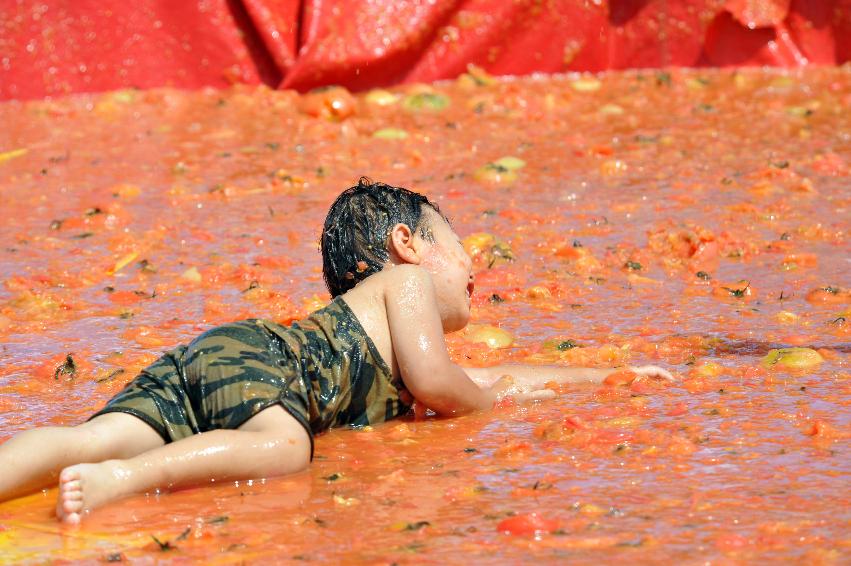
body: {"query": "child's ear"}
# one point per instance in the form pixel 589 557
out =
pixel 403 246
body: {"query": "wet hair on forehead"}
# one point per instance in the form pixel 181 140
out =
pixel 355 234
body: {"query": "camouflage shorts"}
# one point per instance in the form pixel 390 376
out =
pixel 220 380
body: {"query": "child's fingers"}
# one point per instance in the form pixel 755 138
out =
pixel 653 371
pixel 544 394
pixel 504 387
pixel 539 395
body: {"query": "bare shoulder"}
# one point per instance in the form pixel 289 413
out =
pixel 368 301
pixel 388 282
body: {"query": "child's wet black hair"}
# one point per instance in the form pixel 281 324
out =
pixel 354 238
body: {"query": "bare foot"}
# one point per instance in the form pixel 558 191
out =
pixel 86 486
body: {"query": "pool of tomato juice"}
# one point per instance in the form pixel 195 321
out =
pixel 692 219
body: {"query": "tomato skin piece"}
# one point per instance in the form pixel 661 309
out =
pixel 800 339
pixel 645 387
pixel 677 410
pixel 575 422
pixel 731 542
pixel 527 524
pixel 621 377
pixel 829 295
pixel 332 103
pixel 125 298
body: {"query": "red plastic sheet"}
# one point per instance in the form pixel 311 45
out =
pixel 54 47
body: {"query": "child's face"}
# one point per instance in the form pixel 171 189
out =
pixel 451 270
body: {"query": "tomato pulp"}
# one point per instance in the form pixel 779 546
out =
pixel 693 219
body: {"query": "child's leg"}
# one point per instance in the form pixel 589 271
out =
pixel 269 444
pixel 33 459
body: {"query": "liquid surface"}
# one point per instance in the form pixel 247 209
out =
pixel 692 219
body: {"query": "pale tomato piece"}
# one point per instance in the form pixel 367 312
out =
pixel 792 358
pixel 330 103
pixel 494 337
pixel 494 174
pixel 381 97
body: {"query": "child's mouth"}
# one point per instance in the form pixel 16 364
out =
pixel 470 287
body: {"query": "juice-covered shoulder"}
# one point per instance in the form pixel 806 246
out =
pixel 367 303
pixel 398 283
pixel 407 282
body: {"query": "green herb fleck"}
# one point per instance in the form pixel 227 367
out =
pixel 738 293
pixel 425 101
pixel 164 546
pixel 497 167
pixel 146 267
pixel 68 367
pixel 110 376
pixel 641 138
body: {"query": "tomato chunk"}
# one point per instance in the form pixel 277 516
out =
pixel 527 524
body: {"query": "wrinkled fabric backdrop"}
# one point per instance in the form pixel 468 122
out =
pixel 55 47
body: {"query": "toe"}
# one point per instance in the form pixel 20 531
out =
pixel 75 495
pixel 69 475
pixel 72 506
pixel 70 487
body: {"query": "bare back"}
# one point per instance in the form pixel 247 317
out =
pixel 367 301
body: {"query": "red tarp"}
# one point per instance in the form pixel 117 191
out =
pixel 53 47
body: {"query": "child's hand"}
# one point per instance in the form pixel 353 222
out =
pixel 652 372
pixel 506 386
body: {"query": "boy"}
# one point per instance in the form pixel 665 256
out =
pixel 244 400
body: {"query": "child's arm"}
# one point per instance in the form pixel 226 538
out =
pixel 417 335
pixel 532 377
